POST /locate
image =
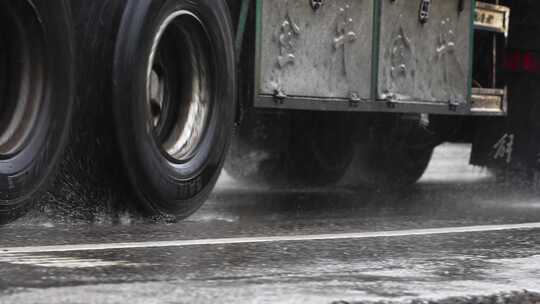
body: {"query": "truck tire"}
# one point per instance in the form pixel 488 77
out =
pixel 36 95
pixel 393 153
pixel 173 160
pixel 322 146
pixel 162 96
pixel 296 148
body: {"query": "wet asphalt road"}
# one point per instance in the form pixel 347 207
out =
pixel 458 232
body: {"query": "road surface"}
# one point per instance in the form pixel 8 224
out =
pixel 458 233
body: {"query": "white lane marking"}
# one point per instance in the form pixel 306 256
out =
pixel 269 239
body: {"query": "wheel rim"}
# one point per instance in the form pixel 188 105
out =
pixel 21 76
pixel 178 85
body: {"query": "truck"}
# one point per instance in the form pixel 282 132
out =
pixel 145 101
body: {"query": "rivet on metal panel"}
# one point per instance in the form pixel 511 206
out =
pixel 354 99
pixel 453 105
pixel 279 96
pixel 390 99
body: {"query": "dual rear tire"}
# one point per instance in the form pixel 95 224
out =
pixel 376 151
pixel 147 118
pixel 393 151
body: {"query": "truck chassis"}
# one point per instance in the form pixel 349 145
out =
pixel 141 104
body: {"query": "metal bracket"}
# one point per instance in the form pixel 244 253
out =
pixel 390 99
pixel 279 96
pixel 453 105
pixel 491 17
pixel 316 4
pixel 425 8
pixel 391 104
pixel 354 100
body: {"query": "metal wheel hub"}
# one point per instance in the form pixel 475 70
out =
pixel 178 85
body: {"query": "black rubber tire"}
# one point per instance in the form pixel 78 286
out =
pixel 322 146
pixel 46 29
pixel 295 148
pixel 163 185
pixel 393 153
pixel 115 55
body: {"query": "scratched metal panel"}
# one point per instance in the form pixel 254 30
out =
pixel 325 53
pixel 425 62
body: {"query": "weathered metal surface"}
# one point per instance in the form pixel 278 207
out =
pixel 425 61
pixel 406 56
pixel 488 100
pixel 490 17
pixel 322 52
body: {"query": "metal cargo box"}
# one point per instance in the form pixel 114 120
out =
pixel 368 55
pixel 320 53
pixel 425 60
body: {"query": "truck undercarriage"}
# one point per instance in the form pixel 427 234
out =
pixel 132 101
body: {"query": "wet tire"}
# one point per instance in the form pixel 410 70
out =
pixel 322 147
pixel 393 152
pixel 36 87
pixel 160 84
pixel 294 148
pixel 36 101
pixel 174 164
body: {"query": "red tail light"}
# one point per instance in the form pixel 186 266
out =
pixel 522 61
pixel 530 62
